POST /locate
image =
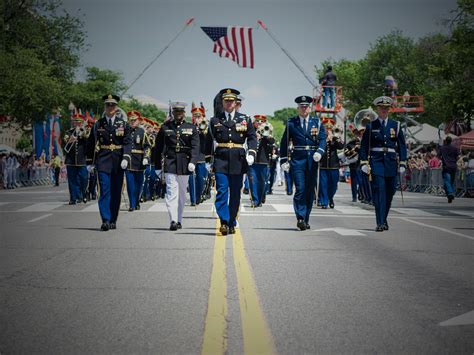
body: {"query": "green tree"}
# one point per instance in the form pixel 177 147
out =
pixel 39 52
pixel 87 95
pixel 147 110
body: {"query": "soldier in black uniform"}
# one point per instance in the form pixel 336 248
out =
pixel 75 151
pixel 198 179
pixel 137 154
pixel 329 175
pixel 258 173
pixel 105 151
pixel 351 153
pixel 230 130
pixel 178 141
pixel 273 169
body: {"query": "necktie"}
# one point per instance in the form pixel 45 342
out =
pixel 304 125
pixel 229 118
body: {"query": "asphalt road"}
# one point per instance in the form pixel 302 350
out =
pixel 66 287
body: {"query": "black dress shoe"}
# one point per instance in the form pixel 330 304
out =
pixel 385 226
pixel 259 205
pixel 379 228
pixel 131 209
pixel 324 207
pixel 113 225
pixel 301 224
pixel 331 204
pixel 179 225
pixel 224 229
pixel 263 200
pixel 105 227
pixel 94 197
pixel 72 202
pixel 137 207
pixel 84 200
pixel 450 198
pixel 289 193
pixel 173 226
pixel 153 198
pixel 193 204
pixel 270 192
pixel 308 226
pixel 246 191
pixel 231 230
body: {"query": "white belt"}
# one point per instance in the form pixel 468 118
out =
pixel 384 149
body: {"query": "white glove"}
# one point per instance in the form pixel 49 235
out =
pixel 274 157
pixel 90 168
pixel 208 167
pixel 317 156
pixel 401 170
pixel 145 161
pixel 124 164
pixel 365 169
pixel 250 159
pixel 191 167
pixel 285 167
pixel 158 172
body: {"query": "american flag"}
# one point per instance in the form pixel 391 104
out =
pixel 233 42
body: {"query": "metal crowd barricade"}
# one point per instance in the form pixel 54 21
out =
pixel 431 181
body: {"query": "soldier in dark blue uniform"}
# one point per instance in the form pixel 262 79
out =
pixel 258 173
pixel 308 137
pixel 329 175
pixel 105 150
pixel 383 155
pixel 178 141
pixel 137 154
pixel 75 151
pixel 198 179
pixel 230 130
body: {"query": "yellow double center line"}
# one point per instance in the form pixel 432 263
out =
pixel 256 334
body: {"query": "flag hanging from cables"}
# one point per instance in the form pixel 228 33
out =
pixel 233 42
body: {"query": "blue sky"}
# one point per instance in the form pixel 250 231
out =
pixel 125 35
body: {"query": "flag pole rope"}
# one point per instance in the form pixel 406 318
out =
pixel 188 22
pixel 293 60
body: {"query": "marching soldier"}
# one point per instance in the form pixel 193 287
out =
pixel 178 143
pixel 383 154
pixel 230 130
pixel 198 179
pixel 75 151
pixel 105 151
pixel 329 175
pixel 308 137
pixel 351 154
pixel 137 154
pixel 273 169
pixel 258 172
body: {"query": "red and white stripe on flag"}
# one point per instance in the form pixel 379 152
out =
pixel 237 46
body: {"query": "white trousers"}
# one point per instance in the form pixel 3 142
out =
pixel 176 195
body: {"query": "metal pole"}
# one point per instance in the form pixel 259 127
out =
pixel 293 60
pixel 188 22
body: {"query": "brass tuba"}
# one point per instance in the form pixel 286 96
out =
pixel 364 117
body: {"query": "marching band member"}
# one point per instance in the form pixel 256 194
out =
pixel 178 143
pixel 75 151
pixel 258 172
pixel 330 164
pixel 383 155
pixel 137 154
pixel 105 151
pixel 308 137
pixel 198 180
pixel 230 130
